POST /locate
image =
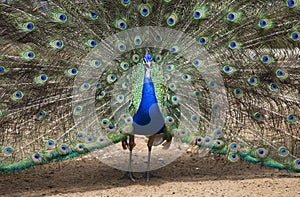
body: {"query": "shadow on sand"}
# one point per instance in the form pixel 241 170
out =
pixel 90 174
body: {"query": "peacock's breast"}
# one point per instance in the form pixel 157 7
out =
pixel 148 119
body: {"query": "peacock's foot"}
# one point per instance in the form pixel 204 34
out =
pixel 148 175
pixel 129 175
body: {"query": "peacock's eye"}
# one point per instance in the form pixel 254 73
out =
pixel 71 72
pixel 194 117
pixel 231 16
pixel 2 70
pixel 186 77
pixel 136 58
pixel 196 93
pixel 28 55
pixel 197 14
pixel 125 2
pixel 172 19
pixel 60 17
pixel 234 45
pixel 111 78
pixel 80 147
pixel 78 109
pixel 265 23
pixel 266 59
pixel 122 47
pixel 207 140
pixel 295 36
pixel 41 79
pixel 37 156
pixel 50 143
pixel 283 151
pixel 8 151
pixel 18 95
pixel 218 132
pixel 93 15
pixel 292 118
pixel 120 98
pixel 229 69
pixel 124 65
pixel 138 40
pixel 253 81
pixel 172 86
pixel 101 93
pixel 261 152
pixel 74 71
pixel 175 100
pixel 170 67
pixel 27 27
pixel 158 58
pixel 202 40
pixel 95 63
pixel 292 3
pixel 196 62
pixel 273 87
pixel 85 86
pixel 279 73
pixel 91 43
pixel 121 24
pixel 233 157
pixel 145 10
pixel 174 49
pixel 59 43
pixel 211 83
pixel 158 38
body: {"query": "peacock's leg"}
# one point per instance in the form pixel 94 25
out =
pixel 148 164
pixel 149 144
pixel 130 145
pixel 167 140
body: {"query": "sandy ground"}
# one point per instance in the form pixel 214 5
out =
pixel 187 176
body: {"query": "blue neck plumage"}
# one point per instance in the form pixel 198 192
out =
pixel 148 119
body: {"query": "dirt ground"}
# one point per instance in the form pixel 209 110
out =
pixel 189 175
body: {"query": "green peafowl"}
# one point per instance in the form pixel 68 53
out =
pixel 81 76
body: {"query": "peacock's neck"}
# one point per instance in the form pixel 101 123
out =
pixel 147 73
pixel 148 92
pixel 148 79
pixel 148 119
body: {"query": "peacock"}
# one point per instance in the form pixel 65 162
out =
pixel 137 83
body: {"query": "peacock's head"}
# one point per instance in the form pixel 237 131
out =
pixel 147 61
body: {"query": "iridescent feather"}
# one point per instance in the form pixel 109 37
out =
pixel 254 46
